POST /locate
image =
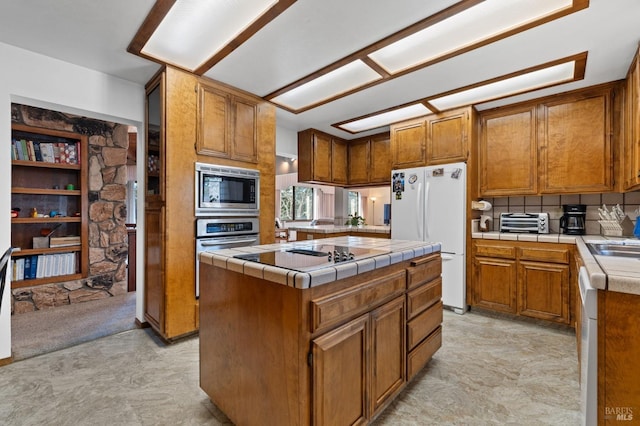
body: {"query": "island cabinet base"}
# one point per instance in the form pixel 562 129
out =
pixel 334 354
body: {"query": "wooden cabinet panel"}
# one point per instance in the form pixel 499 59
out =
pixel 408 140
pixel 507 157
pixel 423 325
pixel 340 369
pixel 544 254
pixel 387 352
pixel 424 270
pixel 380 160
pixel 154 267
pixel 447 137
pixel 226 125
pixel 339 161
pixel 543 291
pixel 631 139
pixel 422 297
pixel 575 144
pixel 359 159
pixel 495 284
pixel 494 250
pixel 314 156
pixel 419 357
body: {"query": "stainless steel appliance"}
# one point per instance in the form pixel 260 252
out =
pixel 221 233
pixel 573 220
pixel 226 191
pixel 588 350
pixel 534 223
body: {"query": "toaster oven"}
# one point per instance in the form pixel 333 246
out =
pixel 533 223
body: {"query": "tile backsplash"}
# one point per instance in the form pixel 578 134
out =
pixel 552 204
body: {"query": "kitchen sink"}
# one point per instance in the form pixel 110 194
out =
pixel 613 249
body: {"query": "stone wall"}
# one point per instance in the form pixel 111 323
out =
pixel 108 246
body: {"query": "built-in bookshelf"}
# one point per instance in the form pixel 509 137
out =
pixel 49 200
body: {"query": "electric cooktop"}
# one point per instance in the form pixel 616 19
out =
pixel 312 257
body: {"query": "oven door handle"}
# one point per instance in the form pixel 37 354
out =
pixel 223 243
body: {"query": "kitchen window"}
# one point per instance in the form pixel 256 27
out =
pixel 353 204
pixel 296 203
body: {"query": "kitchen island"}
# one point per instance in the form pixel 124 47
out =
pixel 317 342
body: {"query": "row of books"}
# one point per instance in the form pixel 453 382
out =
pixel 47 152
pixel 43 266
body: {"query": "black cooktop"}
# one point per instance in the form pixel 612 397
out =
pixel 312 257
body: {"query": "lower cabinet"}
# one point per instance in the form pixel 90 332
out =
pixel 527 279
pixel 359 366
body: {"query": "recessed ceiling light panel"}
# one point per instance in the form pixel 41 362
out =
pixel 194 30
pixel 385 118
pixel 340 80
pixel 522 83
pixel 470 27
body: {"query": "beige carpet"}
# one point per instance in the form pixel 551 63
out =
pixel 40 332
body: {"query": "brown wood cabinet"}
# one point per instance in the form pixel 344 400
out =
pixel 618 355
pixel 314 156
pixel 370 160
pixel 408 144
pixel 337 353
pixel 575 143
pixel 339 162
pixel 227 124
pixel 556 145
pixel 528 279
pixel 176 113
pixel 630 157
pixel 42 185
pixel 507 157
pixel 359 160
pixel 447 136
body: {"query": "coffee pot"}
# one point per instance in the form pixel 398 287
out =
pixel 572 221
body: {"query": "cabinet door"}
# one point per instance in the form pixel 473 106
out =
pixel 339 161
pixel 447 137
pixel 380 160
pixel 340 366
pixel 213 116
pixel 631 154
pixel 321 155
pixel 388 351
pixel 575 144
pixel 508 152
pixel 359 162
pixel 495 284
pixel 543 291
pixel 244 137
pixel 408 144
pixel 154 266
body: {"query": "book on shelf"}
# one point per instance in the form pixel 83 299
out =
pixel 43 266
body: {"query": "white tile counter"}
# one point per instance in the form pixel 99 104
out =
pixel 399 250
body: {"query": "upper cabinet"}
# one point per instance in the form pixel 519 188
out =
pixel 359 159
pixel 507 158
pixel 575 143
pixel 314 156
pixel 435 139
pixel 557 145
pixel 370 160
pixel 631 139
pixel 447 136
pixel 339 161
pixel 227 124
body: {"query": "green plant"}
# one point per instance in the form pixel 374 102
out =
pixel 355 220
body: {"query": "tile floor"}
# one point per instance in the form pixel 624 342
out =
pixel 488 372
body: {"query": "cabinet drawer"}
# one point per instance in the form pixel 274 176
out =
pixel 335 308
pixel 423 270
pixel 422 297
pixel 422 325
pixel 553 255
pixel 418 358
pixel 490 250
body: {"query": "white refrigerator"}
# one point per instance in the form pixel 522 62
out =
pixel 429 204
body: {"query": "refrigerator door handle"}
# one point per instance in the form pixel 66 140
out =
pixel 446 256
pixel 419 208
pixel 425 207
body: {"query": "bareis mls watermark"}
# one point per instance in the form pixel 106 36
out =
pixel 619 413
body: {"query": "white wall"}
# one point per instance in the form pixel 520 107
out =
pixel 33 79
pixel 286 142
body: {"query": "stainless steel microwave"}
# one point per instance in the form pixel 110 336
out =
pixel 226 191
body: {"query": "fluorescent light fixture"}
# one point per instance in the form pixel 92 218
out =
pixel 470 27
pixel 194 30
pixel 385 118
pixel 348 77
pixel 544 77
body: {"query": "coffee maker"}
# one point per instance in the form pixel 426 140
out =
pixel 572 221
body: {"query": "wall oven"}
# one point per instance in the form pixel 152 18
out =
pixel 222 233
pixel 226 191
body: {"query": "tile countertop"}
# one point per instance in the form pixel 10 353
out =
pixel 400 250
pixel 613 273
pixel 332 229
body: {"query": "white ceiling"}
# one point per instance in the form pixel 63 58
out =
pixel 314 33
